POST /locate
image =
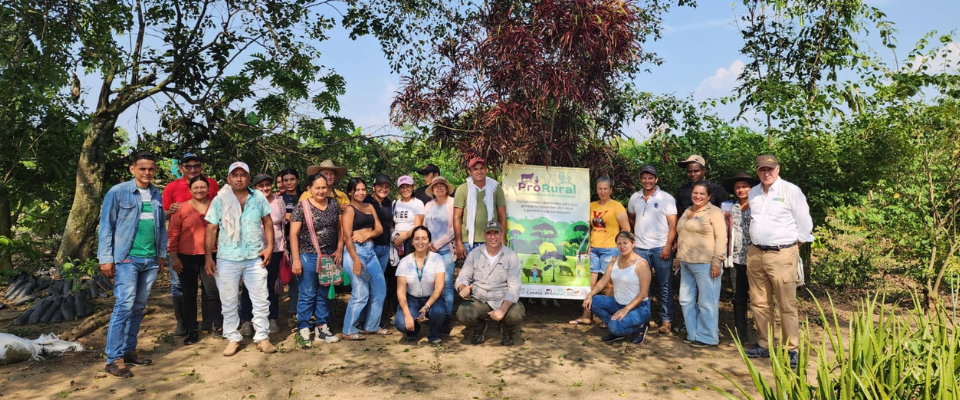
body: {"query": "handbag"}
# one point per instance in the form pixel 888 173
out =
pixel 328 272
pixel 286 269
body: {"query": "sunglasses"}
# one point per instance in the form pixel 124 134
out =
pixel 191 166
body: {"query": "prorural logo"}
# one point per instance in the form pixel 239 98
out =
pixel 531 183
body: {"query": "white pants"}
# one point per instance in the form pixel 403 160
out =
pixel 255 279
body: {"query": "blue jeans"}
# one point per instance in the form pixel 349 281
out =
pixel 367 290
pixel 700 302
pixel 448 280
pixel 313 299
pixel 131 288
pixel 662 271
pixel 605 306
pixel 435 317
pixel 383 255
pixel 469 247
pixel 600 258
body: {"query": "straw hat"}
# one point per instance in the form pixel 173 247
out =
pixel 439 179
pixel 328 165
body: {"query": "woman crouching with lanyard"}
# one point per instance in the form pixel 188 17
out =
pixel 420 280
pixel 628 311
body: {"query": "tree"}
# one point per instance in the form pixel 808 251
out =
pixel 186 53
pixel 540 82
pixel 38 117
pixel 545 232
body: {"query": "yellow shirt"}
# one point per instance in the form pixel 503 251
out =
pixel 702 238
pixel 341 197
pixel 603 223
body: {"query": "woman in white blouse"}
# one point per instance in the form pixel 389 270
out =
pixel 420 278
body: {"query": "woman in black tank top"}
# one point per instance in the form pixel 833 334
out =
pixel 368 287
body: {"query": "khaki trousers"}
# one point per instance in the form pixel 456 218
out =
pixel 473 312
pixel 774 273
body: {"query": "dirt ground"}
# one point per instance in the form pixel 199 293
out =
pixel 551 360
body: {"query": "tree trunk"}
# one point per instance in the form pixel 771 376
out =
pixel 6 228
pixel 80 235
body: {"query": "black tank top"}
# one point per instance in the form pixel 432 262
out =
pixel 361 220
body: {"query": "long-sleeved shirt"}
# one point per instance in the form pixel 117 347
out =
pixel 702 237
pixel 492 282
pixel 120 217
pixel 186 231
pixel 779 217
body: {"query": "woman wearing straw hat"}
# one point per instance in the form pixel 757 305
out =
pixel 438 218
pixel 740 186
pixel 334 174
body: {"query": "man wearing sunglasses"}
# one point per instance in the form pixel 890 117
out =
pixel 173 194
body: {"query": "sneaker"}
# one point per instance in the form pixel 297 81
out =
pixel 323 334
pixel 757 352
pixel 697 343
pixel 134 358
pixel 680 330
pixel 506 339
pixel 686 340
pixel 266 347
pixel 610 338
pixel 274 326
pixel 639 338
pixel 303 338
pixel 246 329
pixel 665 328
pixel 794 358
pixel 118 369
pixel 232 348
pixel 192 338
pixel 478 332
pixel 436 342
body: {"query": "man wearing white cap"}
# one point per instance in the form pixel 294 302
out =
pixel 242 231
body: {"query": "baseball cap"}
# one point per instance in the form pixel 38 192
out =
pixel 475 160
pixel 260 178
pixel 767 160
pixel 649 169
pixel 238 164
pixel 493 226
pixel 189 156
pixel 404 180
pixel 382 178
pixel 694 158
pixel 428 169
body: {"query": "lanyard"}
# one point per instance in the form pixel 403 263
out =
pixel 420 268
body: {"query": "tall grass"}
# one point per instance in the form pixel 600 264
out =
pixel 903 353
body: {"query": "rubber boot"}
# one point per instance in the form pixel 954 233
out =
pixel 178 313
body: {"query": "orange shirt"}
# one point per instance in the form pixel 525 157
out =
pixel 186 231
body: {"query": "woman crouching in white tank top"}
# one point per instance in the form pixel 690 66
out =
pixel 628 311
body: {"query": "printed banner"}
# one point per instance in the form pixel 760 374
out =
pixel 547 213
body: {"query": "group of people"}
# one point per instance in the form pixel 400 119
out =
pixel 638 249
pixel 233 245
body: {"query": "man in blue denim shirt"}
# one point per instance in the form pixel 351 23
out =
pixel 133 245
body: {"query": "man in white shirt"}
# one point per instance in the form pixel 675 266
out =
pixel 653 215
pixel 489 283
pixel 780 222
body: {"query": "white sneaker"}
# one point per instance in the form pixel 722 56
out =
pixel 274 326
pixel 246 329
pixel 323 334
pixel 303 338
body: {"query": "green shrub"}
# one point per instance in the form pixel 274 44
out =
pixel 898 354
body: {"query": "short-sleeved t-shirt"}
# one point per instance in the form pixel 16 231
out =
pixel 251 228
pixel 651 227
pixel 460 201
pixel 325 222
pixel 404 214
pixel 421 285
pixel 145 241
pixel 604 226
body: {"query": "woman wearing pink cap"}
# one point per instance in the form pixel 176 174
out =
pixel 407 214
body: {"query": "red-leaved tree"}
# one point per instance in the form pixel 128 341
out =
pixel 542 82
